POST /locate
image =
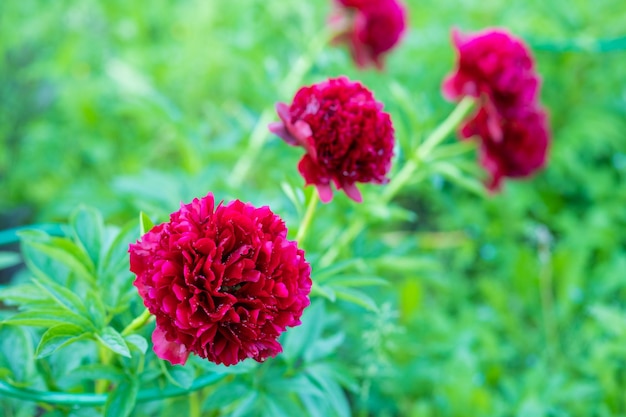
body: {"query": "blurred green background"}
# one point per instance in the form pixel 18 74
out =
pixel 510 305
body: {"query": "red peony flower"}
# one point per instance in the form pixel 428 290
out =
pixel 223 282
pixel 515 146
pixel 370 28
pixel 346 135
pixel 493 64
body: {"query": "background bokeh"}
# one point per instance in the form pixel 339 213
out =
pixel 506 305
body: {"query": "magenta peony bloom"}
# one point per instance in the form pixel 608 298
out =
pixel 223 282
pixel 370 28
pixel 494 65
pixel 346 135
pixel 514 147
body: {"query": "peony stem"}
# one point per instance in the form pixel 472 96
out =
pixel 308 216
pixel 426 148
pixel 445 128
pixel 260 132
pixel 137 323
pixel 88 399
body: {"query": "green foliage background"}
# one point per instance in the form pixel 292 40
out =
pixel 510 305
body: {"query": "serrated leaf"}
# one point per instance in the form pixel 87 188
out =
pixel 114 341
pixel 137 341
pixel 145 224
pixel 121 401
pixel 57 337
pixel 356 297
pixel 9 259
pixel 88 228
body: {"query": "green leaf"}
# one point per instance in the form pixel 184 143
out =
pixel 324 274
pixel 324 291
pixel 610 319
pixel 334 395
pixel 62 296
pixel 9 259
pixel 279 406
pixel 57 337
pixel 138 342
pixel 48 317
pixel 94 372
pixel 456 176
pixel 89 231
pixel 227 395
pixel 356 297
pixel 297 339
pixel 95 308
pixel 410 264
pixel 114 341
pixel 145 224
pixel 357 281
pixel 24 295
pixel 121 401
pixel 179 375
pixel 16 353
pixel 59 249
pixel 115 258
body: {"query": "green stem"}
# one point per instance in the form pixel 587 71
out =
pixel 260 132
pixel 137 323
pixel 308 216
pixel 104 354
pixel 444 129
pixel 66 398
pixel 194 405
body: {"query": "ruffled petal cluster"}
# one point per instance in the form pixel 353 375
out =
pixel 498 70
pixel 223 282
pixel 347 137
pixel 369 27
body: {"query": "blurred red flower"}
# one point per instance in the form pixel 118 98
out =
pixel 514 146
pixel 223 282
pixel 496 65
pixel 498 70
pixel 346 135
pixel 369 27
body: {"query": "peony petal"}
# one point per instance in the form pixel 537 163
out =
pixel 352 192
pixel 279 129
pixel 173 352
pixel 325 192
